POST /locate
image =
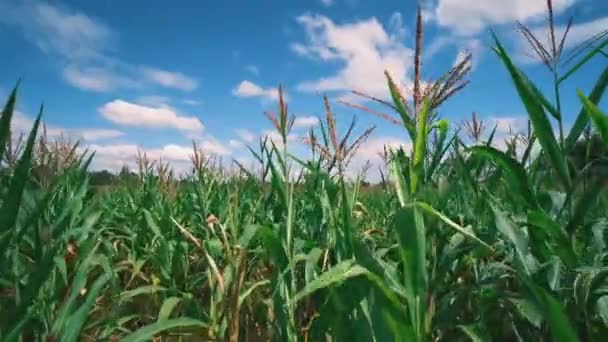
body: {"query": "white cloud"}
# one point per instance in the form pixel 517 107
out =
pixel 132 114
pixel 249 89
pixel 245 135
pixel 467 17
pixel 94 134
pixel 274 136
pixel 374 147
pixel 236 143
pixel 507 124
pixel 253 69
pixel 305 121
pixel 169 79
pixel 57 30
pixel 82 43
pixel 327 3
pixel 93 80
pixel 364 49
pixel 213 146
pixel 22 123
pixel 114 156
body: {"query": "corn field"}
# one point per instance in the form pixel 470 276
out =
pixel 459 241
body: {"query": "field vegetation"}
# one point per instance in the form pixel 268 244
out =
pixel 458 241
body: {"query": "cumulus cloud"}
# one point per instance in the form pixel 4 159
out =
pixel 113 157
pixel 57 30
pixel 236 143
pixel 305 121
pixel 364 49
pixel 245 135
pixel 508 124
pixel 467 17
pixel 82 43
pixel 132 114
pixel 22 124
pixel 274 136
pixel 169 79
pixel 249 89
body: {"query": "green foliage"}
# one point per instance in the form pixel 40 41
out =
pixel 468 242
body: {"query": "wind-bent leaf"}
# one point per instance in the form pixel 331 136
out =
pixel 147 332
pixel 5 120
pixel 583 61
pixel 338 274
pixel 540 122
pixel 167 308
pixel 445 219
pixel 406 117
pixel 74 324
pixel 599 119
pixel 442 126
pixel 516 175
pixel 12 202
pixel 474 333
pixel 583 118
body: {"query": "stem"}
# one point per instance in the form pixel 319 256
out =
pixel 559 107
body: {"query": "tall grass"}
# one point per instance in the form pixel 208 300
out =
pixel 457 243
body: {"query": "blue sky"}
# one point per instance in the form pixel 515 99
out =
pixel 155 75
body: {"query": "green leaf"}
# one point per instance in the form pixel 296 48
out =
pixel 599 119
pixel 528 310
pixel 397 177
pixel 583 118
pixel 583 61
pixel 420 146
pixel 12 202
pixel 408 223
pixel 336 275
pixel 586 202
pixel 167 308
pixel 540 121
pixel 539 95
pixel 516 175
pixel 554 314
pixel 147 332
pixel 602 308
pixel 250 290
pixel 442 125
pixel 146 289
pixel 74 324
pixel 427 208
pixel 247 235
pixel 408 123
pixel 5 120
pixel 518 238
pixel 152 223
pixel 475 333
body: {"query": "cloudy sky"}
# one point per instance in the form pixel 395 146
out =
pixel 156 74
